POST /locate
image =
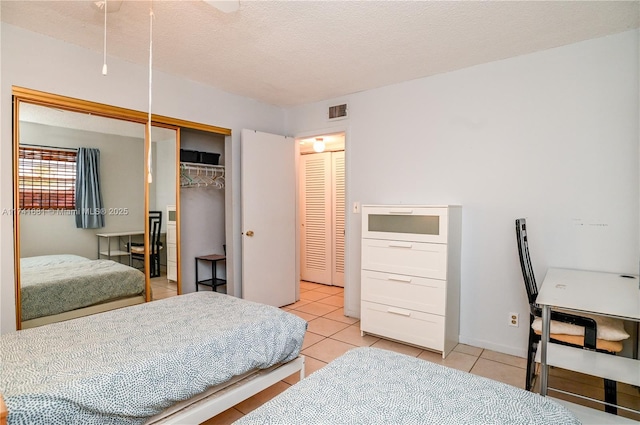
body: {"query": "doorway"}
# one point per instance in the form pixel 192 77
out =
pixel 322 208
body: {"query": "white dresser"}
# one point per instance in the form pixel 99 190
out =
pixel 410 282
pixel 172 253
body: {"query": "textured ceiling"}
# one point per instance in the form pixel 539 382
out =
pixel 294 52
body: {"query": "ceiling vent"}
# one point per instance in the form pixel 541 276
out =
pixel 338 112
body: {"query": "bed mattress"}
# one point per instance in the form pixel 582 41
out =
pixel 53 284
pixel 126 365
pixel 374 386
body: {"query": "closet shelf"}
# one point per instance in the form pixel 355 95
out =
pixel 201 175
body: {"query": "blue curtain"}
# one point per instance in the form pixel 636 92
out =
pixel 90 210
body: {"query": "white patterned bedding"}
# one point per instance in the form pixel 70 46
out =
pixel 125 365
pixel 53 284
pixel 373 386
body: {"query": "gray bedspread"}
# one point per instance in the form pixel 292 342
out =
pixel 53 284
pixel 373 386
pixel 125 365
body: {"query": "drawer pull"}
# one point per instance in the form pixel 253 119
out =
pixel 401 212
pixel 400 245
pixel 405 313
pixel 399 279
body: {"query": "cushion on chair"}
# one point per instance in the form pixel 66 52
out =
pixel 601 344
pixel 137 249
pixel 609 329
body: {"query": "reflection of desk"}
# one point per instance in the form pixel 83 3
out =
pixel 117 252
pixel 214 282
pixel 607 294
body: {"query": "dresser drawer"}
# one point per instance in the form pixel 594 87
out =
pixel 415 293
pixel 171 234
pixel 407 258
pixel 172 271
pixel 405 223
pixel 172 252
pixel 413 327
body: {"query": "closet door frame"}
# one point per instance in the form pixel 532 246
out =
pixel 338 211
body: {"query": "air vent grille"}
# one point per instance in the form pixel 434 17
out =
pixel 338 112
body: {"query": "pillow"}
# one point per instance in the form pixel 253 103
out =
pixel 609 329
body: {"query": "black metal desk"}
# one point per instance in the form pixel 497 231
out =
pixel 214 282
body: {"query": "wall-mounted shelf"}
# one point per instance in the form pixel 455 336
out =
pixel 201 175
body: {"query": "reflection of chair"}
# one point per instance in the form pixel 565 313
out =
pixel 137 250
pixel 564 325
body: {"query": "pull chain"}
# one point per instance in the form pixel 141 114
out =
pixel 104 66
pixel 149 162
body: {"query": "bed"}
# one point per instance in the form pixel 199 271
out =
pixel 50 287
pixel 374 386
pixel 133 365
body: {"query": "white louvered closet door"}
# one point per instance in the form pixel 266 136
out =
pixel 322 218
pixel 337 159
pixel 315 209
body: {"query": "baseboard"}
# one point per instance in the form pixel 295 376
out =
pixel 506 349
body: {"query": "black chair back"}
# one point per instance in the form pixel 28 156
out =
pixel 155 224
pixel 525 261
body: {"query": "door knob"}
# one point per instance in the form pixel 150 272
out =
pixel 249 233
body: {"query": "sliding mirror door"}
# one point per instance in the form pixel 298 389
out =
pixel 82 196
pixel 163 201
pixel 86 192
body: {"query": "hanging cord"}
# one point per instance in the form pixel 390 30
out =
pixel 104 66
pixel 149 175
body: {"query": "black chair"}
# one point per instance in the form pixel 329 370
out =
pixel 590 326
pixel 137 249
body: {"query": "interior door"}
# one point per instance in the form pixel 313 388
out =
pixel 268 185
pixel 322 218
pixel 316 218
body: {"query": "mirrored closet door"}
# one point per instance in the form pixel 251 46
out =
pixel 96 199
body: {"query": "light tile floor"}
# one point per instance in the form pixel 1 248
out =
pixel 162 288
pixel 331 334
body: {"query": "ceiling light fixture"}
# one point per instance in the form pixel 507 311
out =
pixel 318 145
pixel 112 6
pixel 226 6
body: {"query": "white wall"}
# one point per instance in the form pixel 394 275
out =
pixel 550 136
pixel 42 63
pixel 121 181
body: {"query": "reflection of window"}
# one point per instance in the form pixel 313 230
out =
pixel 47 178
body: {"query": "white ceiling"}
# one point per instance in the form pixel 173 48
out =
pixel 294 52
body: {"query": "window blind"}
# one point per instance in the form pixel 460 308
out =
pixel 47 178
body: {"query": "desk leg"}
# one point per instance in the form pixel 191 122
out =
pixel 196 275
pixel 544 341
pixel 214 266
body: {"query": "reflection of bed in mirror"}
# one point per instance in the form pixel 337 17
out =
pixel 107 368
pixel 62 287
